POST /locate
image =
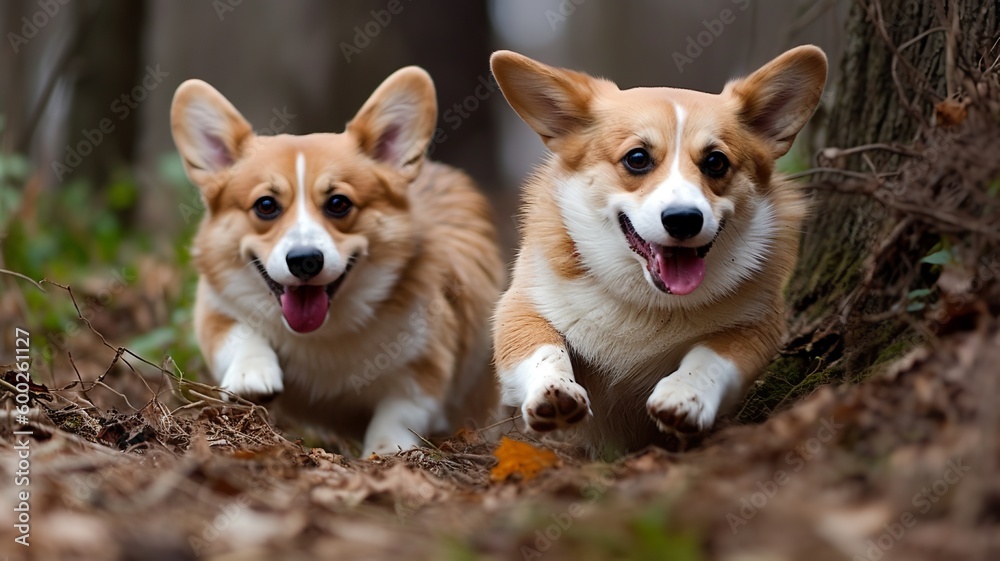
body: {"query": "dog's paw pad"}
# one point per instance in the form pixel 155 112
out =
pixel 557 406
pixel 675 407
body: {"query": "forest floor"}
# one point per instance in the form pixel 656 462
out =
pixel 901 466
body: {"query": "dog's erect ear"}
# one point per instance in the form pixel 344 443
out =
pixel 209 132
pixel 777 100
pixel 553 101
pixel 395 125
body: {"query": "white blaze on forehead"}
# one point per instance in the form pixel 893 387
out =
pixel 675 192
pixel 306 229
pixel 305 232
pixel 300 181
pixel 675 168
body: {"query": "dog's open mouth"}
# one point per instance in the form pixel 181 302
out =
pixel 674 270
pixel 305 306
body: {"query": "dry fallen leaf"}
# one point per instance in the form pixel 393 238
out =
pixel 950 112
pixel 520 458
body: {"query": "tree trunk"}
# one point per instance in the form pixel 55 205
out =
pixel 840 328
pixel 107 86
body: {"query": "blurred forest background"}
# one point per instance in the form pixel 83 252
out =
pixel 91 187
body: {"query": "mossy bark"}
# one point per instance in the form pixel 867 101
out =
pixel 874 103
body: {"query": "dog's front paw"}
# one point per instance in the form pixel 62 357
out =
pixel 679 407
pixel 255 378
pixel 556 405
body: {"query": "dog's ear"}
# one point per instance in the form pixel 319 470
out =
pixel 777 100
pixel 395 125
pixel 209 132
pixel 553 101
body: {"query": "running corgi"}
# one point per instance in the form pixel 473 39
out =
pixel 655 244
pixel 342 271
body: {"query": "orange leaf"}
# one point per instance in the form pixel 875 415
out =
pixel 522 459
pixel 950 113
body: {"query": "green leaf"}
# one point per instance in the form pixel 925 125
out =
pixel 993 189
pixel 941 257
pixel 795 161
pixel 919 293
pixel 14 166
pixel 915 306
pixel 153 343
pixel 121 194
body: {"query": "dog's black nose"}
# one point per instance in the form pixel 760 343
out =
pixel 682 223
pixel 304 262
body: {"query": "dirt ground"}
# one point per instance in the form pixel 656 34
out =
pixel 902 466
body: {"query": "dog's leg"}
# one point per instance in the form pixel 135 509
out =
pixel 241 360
pixel 534 367
pixel 397 420
pixel 712 377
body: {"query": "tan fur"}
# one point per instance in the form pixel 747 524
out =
pixel 631 337
pixel 420 223
pixel 519 329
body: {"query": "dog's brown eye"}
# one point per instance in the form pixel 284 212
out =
pixel 638 161
pixel 338 206
pixel 267 208
pixel 716 164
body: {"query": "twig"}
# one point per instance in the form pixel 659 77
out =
pixel 425 441
pixel 8 386
pixel 950 46
pixel 870 163
pixel 940 218
pixel 119 394
pixel 25 277
pixel 832 153
pixel 917 39
pixel 83 390
pixel 190 405
pixel 844 172
pixel 510 419
pixel 879 21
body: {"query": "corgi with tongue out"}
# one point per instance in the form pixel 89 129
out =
pixel 342 273
pixel 655 244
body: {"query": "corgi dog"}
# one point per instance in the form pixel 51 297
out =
pixel 655 244
pixel 342 271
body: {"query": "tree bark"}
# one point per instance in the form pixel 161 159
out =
pixel 108 69
pixel 834 298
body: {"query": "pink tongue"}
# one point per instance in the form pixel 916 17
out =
pixel 305 307
pixel 682 272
